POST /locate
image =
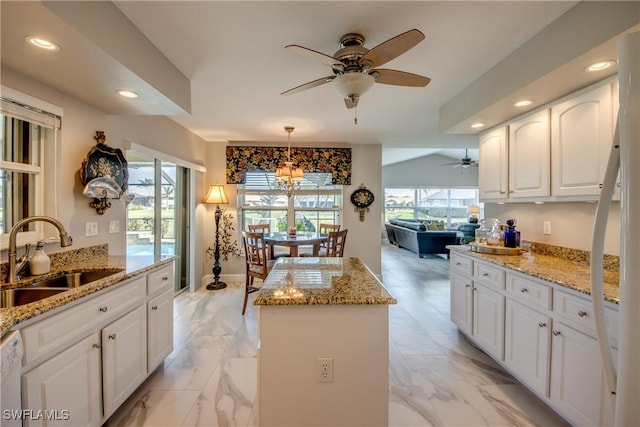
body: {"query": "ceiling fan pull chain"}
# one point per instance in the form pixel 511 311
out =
pixel 355 115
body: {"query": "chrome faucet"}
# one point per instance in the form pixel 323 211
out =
pixel 16 266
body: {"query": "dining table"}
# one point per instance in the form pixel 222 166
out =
pixel 293 242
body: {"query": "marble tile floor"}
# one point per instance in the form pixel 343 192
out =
pixel 437 378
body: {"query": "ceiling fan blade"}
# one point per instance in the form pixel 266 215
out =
pixel 450 164
pixel 315 55
pixel 308 85
pixel 400 78
pixel 393 47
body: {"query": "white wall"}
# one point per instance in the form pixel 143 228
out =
pixel 79 124
pixel 571 223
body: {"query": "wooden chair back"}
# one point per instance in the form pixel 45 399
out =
pixel 336 243
pixel 257 262
pixel 326 228
pixel 259 228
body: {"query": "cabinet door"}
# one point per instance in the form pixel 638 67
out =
pixel 124 358
pixel 527 340
pixel 160 329
pixel 493 163
pixel 529 156
pixel 488 320
pixel 581 138
pixel 67 386
pixel 462 302
pixel 576 375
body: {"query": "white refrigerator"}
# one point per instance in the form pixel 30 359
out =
pixel 623 376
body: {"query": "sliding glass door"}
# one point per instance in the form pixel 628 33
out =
pixel 157 218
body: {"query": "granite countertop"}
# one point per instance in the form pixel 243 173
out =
pixel 77 261
pixel 322 281
pixel 563 271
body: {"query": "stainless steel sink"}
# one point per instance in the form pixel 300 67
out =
pixel 74 280
pixel 21 296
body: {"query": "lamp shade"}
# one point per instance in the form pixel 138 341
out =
pixel 474 210
pixel 356 84
pixel 216 195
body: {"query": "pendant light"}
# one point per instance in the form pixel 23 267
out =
pixel 289 176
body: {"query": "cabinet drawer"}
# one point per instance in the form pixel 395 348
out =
pixel 62 328
pixel 489 275
pixel 529 291
pixel 579 311
pixel 160 280
pixel 461 264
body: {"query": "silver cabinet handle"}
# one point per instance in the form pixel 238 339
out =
pixel 524 290
pixel 458 264
pixel 103 309
pixel 556 333
pixel 582 313
pixel 96 346
pixel 112 336
pixel 485 275
pixel 542 325
pixel 165 278
pixel 155 307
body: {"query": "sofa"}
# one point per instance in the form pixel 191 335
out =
pixel 414 236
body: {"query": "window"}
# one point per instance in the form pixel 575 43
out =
pixel 28 141
pixel 261 202
pixel 450 205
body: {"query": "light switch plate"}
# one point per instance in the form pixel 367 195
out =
pixel 114 226
pixel 91 229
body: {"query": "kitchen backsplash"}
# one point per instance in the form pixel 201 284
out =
pixel 611 262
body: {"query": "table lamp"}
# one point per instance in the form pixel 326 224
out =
pixel 216 196
pixel 473 214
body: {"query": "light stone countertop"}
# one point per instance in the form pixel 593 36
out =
pixel 77 261
pixel 562 271
pixel 322 281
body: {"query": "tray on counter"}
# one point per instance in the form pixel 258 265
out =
pixel 495 249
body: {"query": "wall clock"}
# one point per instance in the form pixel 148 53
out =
pixel 362 199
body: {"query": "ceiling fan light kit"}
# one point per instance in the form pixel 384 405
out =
pixel 353 66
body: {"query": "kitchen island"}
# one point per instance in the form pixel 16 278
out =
pixel 323 357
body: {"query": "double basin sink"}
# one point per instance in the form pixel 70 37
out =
pixel 52 286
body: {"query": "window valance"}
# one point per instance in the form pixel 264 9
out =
pixel 336 161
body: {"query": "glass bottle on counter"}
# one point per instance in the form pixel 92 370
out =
pixel 510 234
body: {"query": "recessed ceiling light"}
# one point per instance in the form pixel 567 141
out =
pixel 523 103
pixel 477 125
pixel 127 93
pixel 42 43
pixel 599 66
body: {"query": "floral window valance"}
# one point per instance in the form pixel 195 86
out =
pixel 336 161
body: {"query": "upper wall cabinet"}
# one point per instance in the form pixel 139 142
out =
pixel 493 172
pixel 529 156
pixel 581 138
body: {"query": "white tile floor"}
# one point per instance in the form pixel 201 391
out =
pixel 437 378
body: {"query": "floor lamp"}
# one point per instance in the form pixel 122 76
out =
pixel 216 196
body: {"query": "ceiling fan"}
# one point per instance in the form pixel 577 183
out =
pixel 465 162
pixel 354 66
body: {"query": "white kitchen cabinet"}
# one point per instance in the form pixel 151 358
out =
pixel 581 138
pixel 159 329
pixel 527 344
pixel 493 164
pixel 462 302
pixel 70 381
pixel 488 320
pixel 577 378
pixel 529 156
pixel 124 358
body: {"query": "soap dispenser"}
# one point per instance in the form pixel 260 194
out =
pixel 39 262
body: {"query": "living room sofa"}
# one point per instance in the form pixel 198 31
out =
pixel 414 236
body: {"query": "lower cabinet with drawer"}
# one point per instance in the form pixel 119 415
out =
pixel 80 373
pixel 548 335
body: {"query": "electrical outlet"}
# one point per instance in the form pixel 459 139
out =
pixel 114 226
pixel 91 229
pixel 324 369
pixel 546 227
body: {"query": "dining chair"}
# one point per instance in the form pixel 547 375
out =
pixel 336 243
pixel 322 229
pixel 257 262
pixel 259 228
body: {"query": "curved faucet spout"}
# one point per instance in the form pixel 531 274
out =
pixel 65 240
